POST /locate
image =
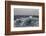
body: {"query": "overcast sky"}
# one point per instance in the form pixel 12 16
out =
pixel 23 11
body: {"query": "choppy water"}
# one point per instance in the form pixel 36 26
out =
pixel 26 21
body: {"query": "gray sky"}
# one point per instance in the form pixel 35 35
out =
pixel 23 11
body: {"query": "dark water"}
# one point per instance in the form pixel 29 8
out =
pixel 26 21
pixel 23 16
